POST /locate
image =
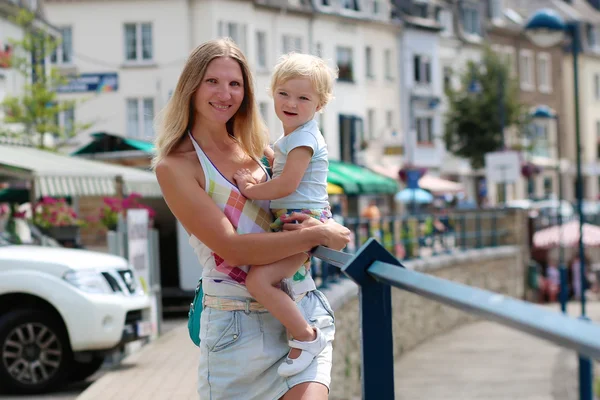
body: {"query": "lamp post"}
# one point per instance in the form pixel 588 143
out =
pixel 546 28
pixel 546 113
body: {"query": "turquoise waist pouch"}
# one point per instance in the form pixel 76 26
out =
pixel 194 314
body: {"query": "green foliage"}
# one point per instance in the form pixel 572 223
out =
pixel 34 112
pixel 473 121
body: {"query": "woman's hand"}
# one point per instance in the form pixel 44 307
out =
pixel 335 236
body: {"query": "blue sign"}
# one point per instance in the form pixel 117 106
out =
pixel 83 83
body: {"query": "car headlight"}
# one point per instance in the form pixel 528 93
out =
pixel 88 281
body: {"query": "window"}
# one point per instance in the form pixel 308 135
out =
pixel 591 35
pixel 387 57
pixel 446 21
pixel 344 63
pixel 540 140
pixel 326 2
pixel 422 69
pixel 371 123
pixel 377 6
pixel 424 130
pixel 598 140
pixel 63 54
pixel 140 117
pixel 447 78
pixel 470 19
pixel 509 56
pixel 318 49
pixel 66 120
pixel 350 4
pixel 292 43
pixel 548 186
pixel 264 111
pixel 261 49
pixel 420 10
pixel 369 62
pixel 597 86
pixel 544 76
pixel 234 30
pixel 526 69
pixel 389 119
pixel 138 42
pixel 495 9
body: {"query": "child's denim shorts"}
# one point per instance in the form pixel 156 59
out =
pixel 240 352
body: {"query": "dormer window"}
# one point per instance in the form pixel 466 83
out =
pixel 471 20
pixel 495 9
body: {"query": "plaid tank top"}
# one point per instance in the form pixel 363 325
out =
pixel 247 216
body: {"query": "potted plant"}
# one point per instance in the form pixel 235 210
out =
pixel 57 218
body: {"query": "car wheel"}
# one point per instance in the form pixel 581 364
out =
pixel 80 370
pixel 35 354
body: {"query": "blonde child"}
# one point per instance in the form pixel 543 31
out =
pixel 301 85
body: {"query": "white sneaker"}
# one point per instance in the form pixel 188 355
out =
pixel 309 351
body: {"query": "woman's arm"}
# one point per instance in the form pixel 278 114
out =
pixel 201 217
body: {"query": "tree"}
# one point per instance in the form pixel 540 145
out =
pixel 487 100
pixel 32 115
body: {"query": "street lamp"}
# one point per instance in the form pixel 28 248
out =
pixel 546 28
pixel 546 113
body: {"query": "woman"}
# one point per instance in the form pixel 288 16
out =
pixel 210 129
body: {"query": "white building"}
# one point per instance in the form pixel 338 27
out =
pixel 144 44
pixel 422 85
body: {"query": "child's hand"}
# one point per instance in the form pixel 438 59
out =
pixel 244 180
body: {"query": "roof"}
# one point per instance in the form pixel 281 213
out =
pixel 60 175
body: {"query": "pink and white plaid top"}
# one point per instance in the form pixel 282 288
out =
pixel 246 216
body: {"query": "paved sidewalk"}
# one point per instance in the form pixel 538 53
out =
pixel 482 361
pixel 163 370
pixel 487 361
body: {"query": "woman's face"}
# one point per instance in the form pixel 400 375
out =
pixel 221 91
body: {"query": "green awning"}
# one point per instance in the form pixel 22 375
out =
pixel 359 180
pixel 140 145
pixel 106 143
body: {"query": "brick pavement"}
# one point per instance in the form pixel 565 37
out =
pixel 482 361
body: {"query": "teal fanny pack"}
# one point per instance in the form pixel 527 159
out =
pixel 194 314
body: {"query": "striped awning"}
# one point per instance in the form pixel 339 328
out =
pixel 60 175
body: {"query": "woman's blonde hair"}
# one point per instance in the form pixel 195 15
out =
pixel 295 65
pixel 246 126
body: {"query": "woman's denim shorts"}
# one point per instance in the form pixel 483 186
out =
pixel 240 352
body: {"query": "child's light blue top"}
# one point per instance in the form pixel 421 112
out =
pixel 312 191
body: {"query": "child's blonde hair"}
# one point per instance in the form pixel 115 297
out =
pixel 295 65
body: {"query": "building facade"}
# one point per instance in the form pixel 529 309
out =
pixel 144 43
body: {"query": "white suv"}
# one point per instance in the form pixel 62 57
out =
pixel 61 312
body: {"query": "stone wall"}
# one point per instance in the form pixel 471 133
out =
pixel 416 319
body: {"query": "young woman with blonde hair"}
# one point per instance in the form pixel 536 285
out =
pixel 210 129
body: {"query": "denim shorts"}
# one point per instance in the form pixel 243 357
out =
pixel 240 352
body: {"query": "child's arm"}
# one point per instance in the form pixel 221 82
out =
pixel 295 165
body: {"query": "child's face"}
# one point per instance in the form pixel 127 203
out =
pixel 296 102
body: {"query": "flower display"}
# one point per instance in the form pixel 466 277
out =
pixel 113 206
pixel 49 212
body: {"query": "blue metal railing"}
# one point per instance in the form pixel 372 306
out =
pixel 375 271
